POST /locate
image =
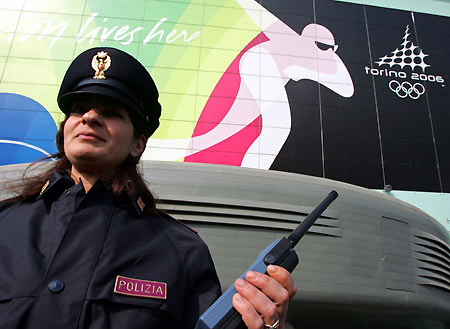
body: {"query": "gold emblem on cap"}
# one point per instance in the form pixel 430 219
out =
pixel 100 63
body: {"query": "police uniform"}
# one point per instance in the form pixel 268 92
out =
pixel 71 259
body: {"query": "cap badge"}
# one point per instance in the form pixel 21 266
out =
pixel 140 288
pixel 100 63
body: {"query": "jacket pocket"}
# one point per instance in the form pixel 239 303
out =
pixel 15 290
pixel 14 311
pixel 109 310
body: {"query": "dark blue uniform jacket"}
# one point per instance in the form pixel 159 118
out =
pixel 61 254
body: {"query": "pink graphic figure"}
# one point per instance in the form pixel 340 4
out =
pixel 247 118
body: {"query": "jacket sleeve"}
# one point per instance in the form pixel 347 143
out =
pixel 201 283
pixel 204 285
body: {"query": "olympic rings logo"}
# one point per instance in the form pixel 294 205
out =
pixel 406 89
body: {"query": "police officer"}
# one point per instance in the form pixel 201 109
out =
pixel 83 246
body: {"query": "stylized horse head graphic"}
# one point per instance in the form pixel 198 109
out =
pixel 247 118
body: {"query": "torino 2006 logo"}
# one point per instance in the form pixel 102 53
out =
pixel 407 55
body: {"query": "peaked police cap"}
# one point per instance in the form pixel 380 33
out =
pixel 113 73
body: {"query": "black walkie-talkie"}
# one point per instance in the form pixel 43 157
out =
pixel 221 314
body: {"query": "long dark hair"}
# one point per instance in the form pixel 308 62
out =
pixel 127 178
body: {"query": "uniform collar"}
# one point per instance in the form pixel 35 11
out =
pixel 61 180
pixel 137 203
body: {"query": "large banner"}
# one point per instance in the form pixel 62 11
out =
pixel 337 90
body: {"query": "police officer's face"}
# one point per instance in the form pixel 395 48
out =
pixel 99 135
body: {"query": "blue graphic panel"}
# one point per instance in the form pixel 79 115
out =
pixel 27 130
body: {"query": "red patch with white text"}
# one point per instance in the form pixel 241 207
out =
pixel 140 288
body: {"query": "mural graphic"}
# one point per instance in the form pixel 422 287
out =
pixel 324 88
pixel 27 130
pixel 250 127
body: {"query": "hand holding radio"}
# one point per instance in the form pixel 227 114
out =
pixel 263 299
pixel 225 312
